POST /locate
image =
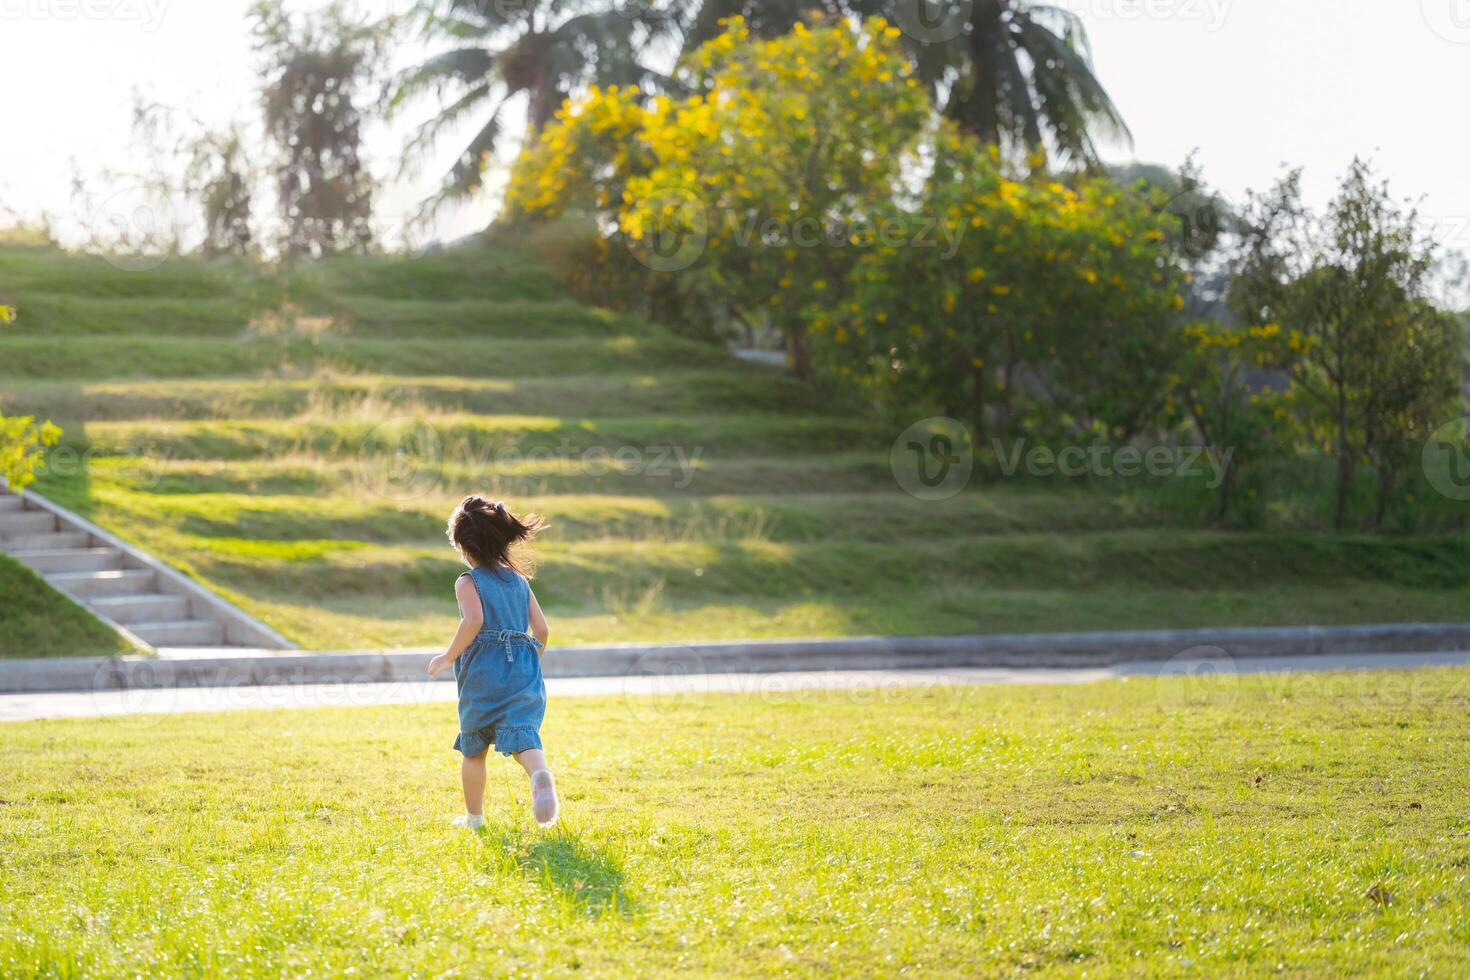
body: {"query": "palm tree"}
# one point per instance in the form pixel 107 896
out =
pixel 499 51
pixel 1023 73
pixel 1013 72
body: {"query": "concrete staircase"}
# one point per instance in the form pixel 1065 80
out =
pixel 128 589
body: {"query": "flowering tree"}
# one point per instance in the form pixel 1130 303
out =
pixel 1055 314
pixel 758 186
pixel 22 438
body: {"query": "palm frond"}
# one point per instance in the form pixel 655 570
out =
pixel 1070 94
pixel 465 175
pixel 460 67
pixel 426 135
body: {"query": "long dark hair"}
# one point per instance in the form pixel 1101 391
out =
pixel 483 533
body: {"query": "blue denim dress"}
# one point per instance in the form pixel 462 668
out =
pixel 502 697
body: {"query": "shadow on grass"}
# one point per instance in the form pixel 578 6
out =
pixel 580 873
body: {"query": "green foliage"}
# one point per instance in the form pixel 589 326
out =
pixel 1051 312
pixel 1010 72
pixel 1378 368
pixel 1238 425
pixel 761 179
pixel 23 440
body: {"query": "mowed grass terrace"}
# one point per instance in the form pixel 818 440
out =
pixel 295 441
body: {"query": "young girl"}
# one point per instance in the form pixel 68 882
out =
pixel 496 654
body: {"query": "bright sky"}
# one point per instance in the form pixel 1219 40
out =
pixel 1251 84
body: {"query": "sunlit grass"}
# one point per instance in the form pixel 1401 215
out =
pixel 1305 826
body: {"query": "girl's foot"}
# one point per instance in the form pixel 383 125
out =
pixel 470 821
pixel 543 798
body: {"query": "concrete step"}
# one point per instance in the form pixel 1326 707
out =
pixel 180 633
pixel 69 559
pixel 118 581
pixel 152 607
pixel 48 541
pixel 14 523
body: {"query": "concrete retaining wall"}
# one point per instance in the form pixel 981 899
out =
pixel 856 653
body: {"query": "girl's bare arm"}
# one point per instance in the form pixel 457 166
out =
pixel 539 629
pixel 469 625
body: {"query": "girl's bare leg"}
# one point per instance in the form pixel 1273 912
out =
pixel 544 806
pixel 472 773
pixel 530 760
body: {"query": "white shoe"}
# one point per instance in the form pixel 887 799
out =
pixel 470 821
pixel 544 806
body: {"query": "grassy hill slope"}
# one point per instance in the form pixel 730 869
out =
pixel 38 621
pixel 296 442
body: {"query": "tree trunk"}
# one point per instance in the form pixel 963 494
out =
pixel 1222 494
pixel 1385 490
pixel 801 355
pixel 1344 481
pixel 1345 467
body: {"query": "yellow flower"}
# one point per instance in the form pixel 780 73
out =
pixel 1000 290
pixel 7 314
pixel 976 274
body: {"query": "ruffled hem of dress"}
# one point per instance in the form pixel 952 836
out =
pixel 509 740
pixel 472 744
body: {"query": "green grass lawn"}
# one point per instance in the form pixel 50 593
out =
pixel 1306 825
pixel 229 418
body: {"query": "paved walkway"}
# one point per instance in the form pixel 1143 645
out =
pixel 654 694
